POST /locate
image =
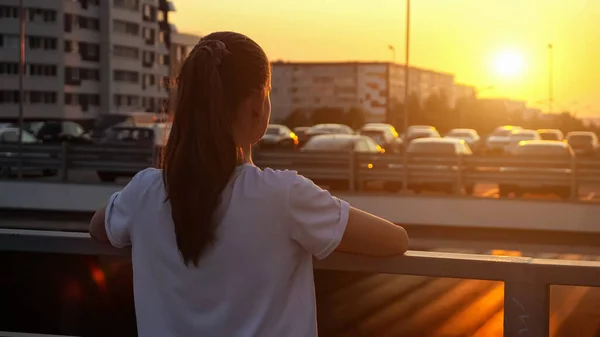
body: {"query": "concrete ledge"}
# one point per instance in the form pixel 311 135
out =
pixel 413 210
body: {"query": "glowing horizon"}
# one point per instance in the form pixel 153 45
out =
pixel 462 37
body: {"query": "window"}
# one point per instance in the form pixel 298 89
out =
pixel 124 27
pixel 132 5
pixel 41 15
pixel 32 97
pixel 126 76
pixel 84 22
pixel 11 12
pixel 126 52
pixel 149 13
pixel 149 35
pixel 9 41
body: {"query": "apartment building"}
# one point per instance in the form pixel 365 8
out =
pixel 373 87
pixel 463 91
pixel 84 58
pixel 181 45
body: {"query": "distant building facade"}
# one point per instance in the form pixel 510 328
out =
pixel 85 57
pixel 463 91
pixel 181 45
pixel 370 86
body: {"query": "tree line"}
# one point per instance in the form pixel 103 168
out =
pixel 483 116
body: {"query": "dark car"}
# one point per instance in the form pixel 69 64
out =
pixel 341 143
pixel 385 135
pixel 58 131
pixel 556 177
pixel 551 134
pixel 278 137
pixel 584 143
pixel 10 136
pixel 149 137
pixel 432 159
pixel 301 131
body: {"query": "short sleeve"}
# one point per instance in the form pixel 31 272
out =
pixel 122 208
pixel 318 218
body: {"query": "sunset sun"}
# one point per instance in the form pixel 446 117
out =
pixel 508 64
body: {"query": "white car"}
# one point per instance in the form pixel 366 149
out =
pixel 499 138
pixel 470 136
pixel 518 136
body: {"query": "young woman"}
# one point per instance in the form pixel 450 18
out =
pixel 219 246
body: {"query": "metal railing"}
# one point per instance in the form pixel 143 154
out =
pixel 526 280
pixel 345 170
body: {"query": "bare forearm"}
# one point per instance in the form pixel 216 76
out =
pixel 97 228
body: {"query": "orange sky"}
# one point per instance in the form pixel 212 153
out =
pixel 458 36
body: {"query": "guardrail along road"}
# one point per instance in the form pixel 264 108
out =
pixel 478 175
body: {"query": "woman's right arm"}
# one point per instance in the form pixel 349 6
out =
pixel 367 234
pixel 322 223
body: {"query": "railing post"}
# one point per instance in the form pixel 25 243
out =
pixel 459 173
pixel 526 309
pixel 574 185
pixel 352 171
pixel 64 163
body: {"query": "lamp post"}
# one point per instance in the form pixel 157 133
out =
pixel 550 78
pixel 406 93
pixel 21 91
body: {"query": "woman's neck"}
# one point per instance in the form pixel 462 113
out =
pixel 246 157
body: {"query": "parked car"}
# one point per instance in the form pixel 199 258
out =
pixel 340 142
pixel 150 136
pixel 520 135
pixel 51 132
pixel 538 149
pixel 10 135
pixel 329 129
pixel 551 134
pixel 496 142
pixel 384 134
pixel 584 143
pixel 441 149
pixel 420 132
pixel 470 136
pixel 279 137
pixel 301 131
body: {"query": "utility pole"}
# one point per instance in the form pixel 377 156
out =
pixel 406 93
pixel 21 91
pixel 550 78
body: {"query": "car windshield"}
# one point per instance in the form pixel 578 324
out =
pixel 580 139
pixel 329 144
pixel 502 133
pixel 431 148
pixel 523 136
pixel 272 130
pixel 377 135
pixel 460 134
pixel 549 135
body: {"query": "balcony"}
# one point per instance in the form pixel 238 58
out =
pixel 87 288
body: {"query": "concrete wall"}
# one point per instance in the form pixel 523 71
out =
pixel 411 210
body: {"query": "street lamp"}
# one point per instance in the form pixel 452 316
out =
pixel 21 91
pixel 393 50
pixel 550 78
pixel 406 92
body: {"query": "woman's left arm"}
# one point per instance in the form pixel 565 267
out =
pixel 97 228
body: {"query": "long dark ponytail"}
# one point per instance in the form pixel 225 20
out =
pixel 200 156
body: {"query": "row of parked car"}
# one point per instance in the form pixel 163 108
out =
pixel 422 140
pixel 503 140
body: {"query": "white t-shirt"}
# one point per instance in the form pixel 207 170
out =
pixel 257 280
